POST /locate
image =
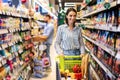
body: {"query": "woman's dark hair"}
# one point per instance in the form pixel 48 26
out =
pixel 47 15
pixel 69 10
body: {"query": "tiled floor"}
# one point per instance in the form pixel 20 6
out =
pixel 51 75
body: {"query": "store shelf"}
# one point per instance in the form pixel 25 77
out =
pixel 113 4
pixel 103 67
pixel 104 27
pixel 5 45
pixel 111 52
pixel 3 31
pixel 13 14
pixel 95 74
pixel 15 76
pixel 86 5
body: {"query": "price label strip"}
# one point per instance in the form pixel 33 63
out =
pixel 0 64
pixel 0 12
pixel 103 47
pixel 10 44
pixel 4 61
pixel 16 53
pixel 20 51
pixel 0 48
pixel 3 31
pixel 4 46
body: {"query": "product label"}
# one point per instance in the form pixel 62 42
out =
pixel 10 43
pixel 20 51
pixel 16 53
pixel 0 64
pixel 4 46
pixel 0 12
pixel 10 58
pixel 0 48
pixel 3 61
pixel 2 31
pixel 118 56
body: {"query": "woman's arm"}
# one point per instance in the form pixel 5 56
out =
pixel 58 41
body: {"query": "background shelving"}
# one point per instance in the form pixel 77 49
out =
pixel 101 31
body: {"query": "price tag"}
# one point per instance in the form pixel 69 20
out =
pixel 10 58
pixel 29 68
pixel 0 64
pixel 20 51
pixel 0 12
pixel 4 45
pixel 14 30
pixel 3 61
pixel 16 53
pixel 0 48
pixel 118 55
pixel 118 29
pixel 7 13
pixel 3 31
pixel 10 43
pixel 21 62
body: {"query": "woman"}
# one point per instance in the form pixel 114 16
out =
pixel 69 39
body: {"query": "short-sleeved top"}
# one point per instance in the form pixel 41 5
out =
pixel 48 31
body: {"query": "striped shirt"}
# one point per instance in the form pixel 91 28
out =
pixel 67 39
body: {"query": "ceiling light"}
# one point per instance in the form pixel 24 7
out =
pixel 59 0
pixel 60 5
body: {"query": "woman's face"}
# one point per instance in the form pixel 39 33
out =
pixel 71 17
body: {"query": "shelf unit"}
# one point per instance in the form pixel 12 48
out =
pixel 113 4
pixel 13 14
pixel 95 16
pixel 101 65
pixel 11 43
pixel 104 27
pixel 111 52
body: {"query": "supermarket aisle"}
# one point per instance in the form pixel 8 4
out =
pixel 50 75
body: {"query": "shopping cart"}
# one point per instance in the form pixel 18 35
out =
pixel 67 62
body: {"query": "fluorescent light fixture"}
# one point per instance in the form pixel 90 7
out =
pixel 59 1
pixel 60 4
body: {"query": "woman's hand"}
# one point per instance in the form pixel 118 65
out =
pixel 61 54
pixel 81 55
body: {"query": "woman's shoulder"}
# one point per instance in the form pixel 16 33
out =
pixel 63 26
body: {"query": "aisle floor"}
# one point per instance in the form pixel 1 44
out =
pixel 50 75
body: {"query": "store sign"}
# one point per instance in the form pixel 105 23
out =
pixel 107 5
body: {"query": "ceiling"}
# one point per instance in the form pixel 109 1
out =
pixel 67 3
